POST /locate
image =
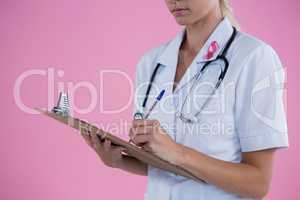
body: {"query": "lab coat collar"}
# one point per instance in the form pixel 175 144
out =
pixel 221 35
pixel 169 56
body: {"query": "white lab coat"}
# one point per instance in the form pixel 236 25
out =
pixel 245 114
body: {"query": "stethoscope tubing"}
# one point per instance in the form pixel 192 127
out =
pixel 221 56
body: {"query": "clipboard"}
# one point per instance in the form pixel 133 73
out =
pixel 131 149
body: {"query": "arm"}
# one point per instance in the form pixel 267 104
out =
pixel 132 165
pixel 251 178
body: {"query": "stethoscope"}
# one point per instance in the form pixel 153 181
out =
pixel 221 57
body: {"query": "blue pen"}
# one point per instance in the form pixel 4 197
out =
pixel 158 98
pixel 139 115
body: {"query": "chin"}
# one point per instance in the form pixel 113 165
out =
pixel 183 21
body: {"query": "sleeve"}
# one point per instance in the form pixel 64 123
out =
pixel 260 114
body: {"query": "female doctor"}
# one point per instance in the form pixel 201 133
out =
pixel 221 117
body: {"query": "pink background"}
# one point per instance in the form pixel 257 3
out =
pixel 41 159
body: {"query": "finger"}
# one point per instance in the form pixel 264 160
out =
pixel 138 123
pixel 101 132
pixel 118 150
pixel 140 139
pixel 96 143
pixel 87 139
pixel 84 131
pixel 148 130
pixel 107 145
pixel 131 133
pixel 141 130
pixel 147 147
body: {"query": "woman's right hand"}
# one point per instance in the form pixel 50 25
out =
pixel 110 155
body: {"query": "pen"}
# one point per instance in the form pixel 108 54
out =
pixel 139 115
pixel 158 98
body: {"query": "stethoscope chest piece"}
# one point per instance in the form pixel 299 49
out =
pixel 188 120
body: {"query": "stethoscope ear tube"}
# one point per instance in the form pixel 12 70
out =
pixel 150 85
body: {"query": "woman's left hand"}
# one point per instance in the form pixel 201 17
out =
pixel 153 138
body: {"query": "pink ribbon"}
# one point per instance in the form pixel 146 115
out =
pixel 213 48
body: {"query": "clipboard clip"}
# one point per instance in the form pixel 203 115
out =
pixel 63 106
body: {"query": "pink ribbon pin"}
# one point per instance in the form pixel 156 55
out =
pixel 211 50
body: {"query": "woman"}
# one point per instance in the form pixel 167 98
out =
pixel 222 124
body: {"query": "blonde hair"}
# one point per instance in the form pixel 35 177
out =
pixel 227 12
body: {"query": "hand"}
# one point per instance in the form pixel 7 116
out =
pixel 110 155
pixel 150 135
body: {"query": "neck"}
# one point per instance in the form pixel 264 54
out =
pixel 198 33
